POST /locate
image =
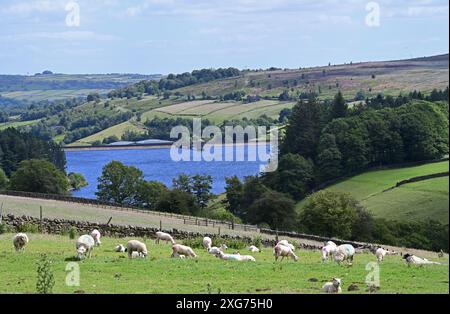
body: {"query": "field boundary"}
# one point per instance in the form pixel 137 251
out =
pixel 418 179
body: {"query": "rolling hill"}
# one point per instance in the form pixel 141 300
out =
pixel 423 200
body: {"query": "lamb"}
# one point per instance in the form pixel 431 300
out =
pixel 332 287
pixel 96 235
pixel 164 236
pixel 85 244
pixel 380 253
pixel 120 248
pixel 344 252
pixel 286 243
pixel 215 250
pixel 415 260
pixel 328 250
pixel 136 246
pixel 178 249
pixel 254 249
pixel 19 241
pixel 207 243
pixel 284 251
pixel 235 257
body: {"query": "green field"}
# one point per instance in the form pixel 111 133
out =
pixel 416 201
pixel 53 95
pixel 17 124
pixel 109 272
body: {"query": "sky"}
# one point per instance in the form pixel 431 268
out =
pixel 175 36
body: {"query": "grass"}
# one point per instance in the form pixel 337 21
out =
pixel 17 124
pixel 417 201
pixel 108 272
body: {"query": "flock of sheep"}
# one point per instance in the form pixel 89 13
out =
pixel 136 249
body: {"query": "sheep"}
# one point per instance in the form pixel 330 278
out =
pixel 178 249
pixel 286 243
pixel 136 246
pixel 380 253
pixel 254 249
pixel 179 256
pixel 19 241
pixel 85 244
pixel 344 252
pixel 328 250
pixel 284 251
pixel 332 287
pixel 207 243
pixel 164 236
pixel 96 235
pixel 215 250
pixel 120 248
pixel 235 257
pixel 415 260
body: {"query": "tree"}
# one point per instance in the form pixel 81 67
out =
pixel 329 159
pixel 330 214
pixel 76 181
pixel 234 190
pixel 178 202
pixel 39 176
pixel 339 107
pixel 201 189
pixel 119 184
pixel 3 180
pixel 149 194
pixel 273 208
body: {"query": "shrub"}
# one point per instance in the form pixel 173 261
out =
pixel 257 241
pixel 195 243
pixel 4 228
pixel 28 227
pixel 45 278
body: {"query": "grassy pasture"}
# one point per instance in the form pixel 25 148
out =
pixel 109 272
pixel 416 201
pixel 52 95
pixel 16 124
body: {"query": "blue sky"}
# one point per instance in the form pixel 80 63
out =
pixel 173 36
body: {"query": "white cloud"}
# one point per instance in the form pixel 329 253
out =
pixel 66 36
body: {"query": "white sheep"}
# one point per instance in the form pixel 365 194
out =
pixel 136 246
pixel 283 251
pixel 286 243
pixel 165 237
pixel 245 258
pixel 235 257
pixel 254 249
pixel 19 241
pixel 215 250
pixel 207 243
pixel 328 250
pixel 332 287
pixel 344 252
pixel 120 248
pixel 381 253
pixel 178 249
pixel 85 244
pixel 415 260
pixel 96 235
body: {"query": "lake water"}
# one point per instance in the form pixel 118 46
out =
pixel 157 165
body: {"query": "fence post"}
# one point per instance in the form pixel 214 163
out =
pixel 40 218
pixel 219 230
pixel 109 221
pixel 232 225
pixel 160 225
pixel 276 235
pixel 1 213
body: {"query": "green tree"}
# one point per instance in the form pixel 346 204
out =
pixel 233 191
pixel 329 159
pixel 339 108
pixel 330 214
pixel 273 208
pixel 39 176
pixel 149 194
pixel 201 189
pixel 178 202
pixel 119 184
pixel 3 180
pixel 76 181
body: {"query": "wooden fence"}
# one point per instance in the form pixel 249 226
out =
pixel 187 220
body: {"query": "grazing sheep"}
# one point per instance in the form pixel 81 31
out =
pixel 328 250
pixel 207 243
pixel 179 256
pixel 284 251
pixel 332 287
pixel 19 241
pixel 381 253
pixel 120 249
pixel 344 252
pixel 136 246
pixel 254 249
pixel 178 249
pixel 286 243
pixel 85 244
pixel 415 260
pixel 96 235
pixel 165 237
pixel 245 258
